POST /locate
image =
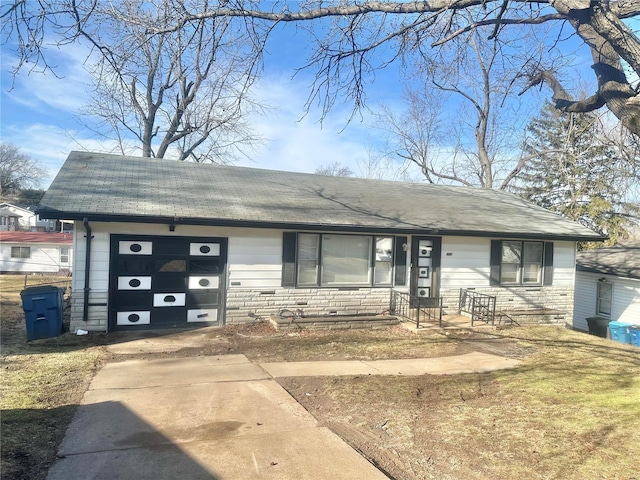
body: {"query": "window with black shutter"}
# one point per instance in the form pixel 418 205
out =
pixel 521 262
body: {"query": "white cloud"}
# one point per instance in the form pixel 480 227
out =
pixel 39 122
pixel 66 91
pixel 50 145
pixel 295 142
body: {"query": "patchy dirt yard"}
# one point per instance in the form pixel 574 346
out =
pixel 570 412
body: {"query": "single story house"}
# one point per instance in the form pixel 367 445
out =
pixel 608 285
pixel 19 219
pixel 36 252
pixel 163 243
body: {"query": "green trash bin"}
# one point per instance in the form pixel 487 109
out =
pixel 42 307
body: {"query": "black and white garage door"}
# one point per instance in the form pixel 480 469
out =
pixel 163 282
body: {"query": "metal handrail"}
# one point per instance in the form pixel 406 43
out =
pixel 480 306
pixel 415 309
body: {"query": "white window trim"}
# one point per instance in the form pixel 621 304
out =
pixel 599 297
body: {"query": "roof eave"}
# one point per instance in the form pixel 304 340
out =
pixel 606 271
pixel 103 217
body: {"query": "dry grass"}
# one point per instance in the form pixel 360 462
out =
pixel 570 412
pixel 41 383
pixel 346 345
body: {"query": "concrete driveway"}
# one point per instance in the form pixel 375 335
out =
pixel 197 418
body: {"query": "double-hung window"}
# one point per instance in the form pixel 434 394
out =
pixel 516 262
pixel 605 297
pixel 64 254
pixel 334 260
pixel 521 263
pixel 20 252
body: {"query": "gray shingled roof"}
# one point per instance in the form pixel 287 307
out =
pixel 109 187
pixel 620 260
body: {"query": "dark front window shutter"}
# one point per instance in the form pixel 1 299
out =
pixel 548 264
pixel 400 261
pixel 289 259
pixel 495 262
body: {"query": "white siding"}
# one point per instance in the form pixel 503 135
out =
pixel 255 259
pixel 465 262
pixel 254 267
pixel 584 299
pixel 43 258
pixel 625 299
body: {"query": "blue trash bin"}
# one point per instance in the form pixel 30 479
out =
pixel 620 332
pixel 634 332
pixel 42 307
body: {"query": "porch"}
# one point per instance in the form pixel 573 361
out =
pixel 423 313
pixel 474 309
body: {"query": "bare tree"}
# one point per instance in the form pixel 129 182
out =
pixel 17 170
pixel 334 169
pixel 460 123
pixel 367 35
pixel 361 30
pixel 382 166
pixel 185 91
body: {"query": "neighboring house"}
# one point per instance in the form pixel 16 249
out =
pixel 18 219
pixel 608 285
pixel 35 252
pixel 171 243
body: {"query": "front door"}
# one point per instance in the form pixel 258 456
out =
pixel 165 282
pixel 425 267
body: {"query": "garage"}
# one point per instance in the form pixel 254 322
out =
pixel 166 281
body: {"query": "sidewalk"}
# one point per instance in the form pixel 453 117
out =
pixel 220 417
pixel 199 418
pixel 469 363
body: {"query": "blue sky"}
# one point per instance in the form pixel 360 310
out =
pixel 39 114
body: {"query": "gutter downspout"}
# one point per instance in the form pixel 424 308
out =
pixel 87 265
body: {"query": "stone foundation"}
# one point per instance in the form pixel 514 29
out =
pixel 532 305
pixel 247 304
pixel 97 313
pixel 335 322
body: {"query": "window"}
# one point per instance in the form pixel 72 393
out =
pixel 64 254
pixel 383 270
pixel 20 252
pixel 605 296
pixel 521 263
pixel 515 262
pixel 308 252
pixel 331 260
pixel 346 260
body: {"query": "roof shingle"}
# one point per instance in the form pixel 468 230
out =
pixel 102 186
pixel 620 260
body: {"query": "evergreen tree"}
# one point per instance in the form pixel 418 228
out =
pixel 574 171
